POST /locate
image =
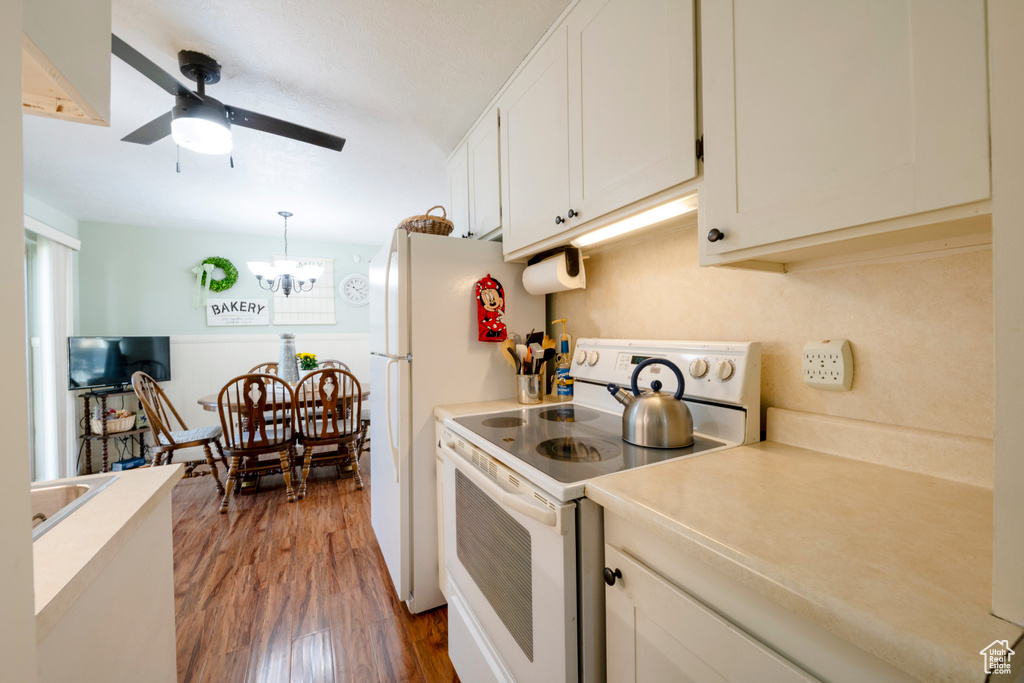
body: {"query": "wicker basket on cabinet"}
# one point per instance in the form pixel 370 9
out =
pixel 431 225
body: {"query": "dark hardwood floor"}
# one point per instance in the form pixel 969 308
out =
pixel 277 592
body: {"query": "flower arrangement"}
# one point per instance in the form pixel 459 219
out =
pixel 307 361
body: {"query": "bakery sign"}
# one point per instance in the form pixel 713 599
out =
pixel 235 312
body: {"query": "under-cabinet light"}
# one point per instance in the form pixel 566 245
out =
pixel 643 219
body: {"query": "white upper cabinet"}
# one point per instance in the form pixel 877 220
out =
pixel 535 147
pixel 484 176
pixel 820 116
pixel 632 124
pixel 600 117
pixel 66 60
pixel 458 191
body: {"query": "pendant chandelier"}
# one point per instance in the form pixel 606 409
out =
pixel 285 275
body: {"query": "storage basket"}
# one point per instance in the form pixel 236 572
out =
pixel 431 225
pixel 120 424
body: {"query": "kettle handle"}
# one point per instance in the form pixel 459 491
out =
pixel 653 361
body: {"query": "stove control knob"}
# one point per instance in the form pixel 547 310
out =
pixel 581 356
pixel 698 368
pixel 724 370
pixel 592 358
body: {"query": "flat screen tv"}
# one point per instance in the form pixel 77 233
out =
pixel 101 362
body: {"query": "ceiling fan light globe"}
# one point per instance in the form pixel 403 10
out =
pixel 201 135
pixel 313 272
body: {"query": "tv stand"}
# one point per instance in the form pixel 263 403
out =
pixel 137 435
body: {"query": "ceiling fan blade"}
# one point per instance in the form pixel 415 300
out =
pixel 157 129
pixel 147 68
pixel 267 124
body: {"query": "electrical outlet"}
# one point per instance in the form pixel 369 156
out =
pixel 828 365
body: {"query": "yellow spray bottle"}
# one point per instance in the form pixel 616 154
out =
pixel 563 363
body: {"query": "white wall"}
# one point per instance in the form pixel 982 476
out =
pixel 1006 25
pixel 139 281
pixel 55 218
pixel 17 613
pixel 921 330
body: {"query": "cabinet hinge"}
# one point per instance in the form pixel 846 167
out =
pixel 700 148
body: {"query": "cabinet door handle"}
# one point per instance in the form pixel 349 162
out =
pixel 610 576
pixel 715 234
pixel 572 214
pixel 559 220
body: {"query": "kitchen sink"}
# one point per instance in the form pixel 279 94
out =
pixel 53 502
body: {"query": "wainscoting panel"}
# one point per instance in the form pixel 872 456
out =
pixel 203 364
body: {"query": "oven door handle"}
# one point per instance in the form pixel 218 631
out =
pixel 520 502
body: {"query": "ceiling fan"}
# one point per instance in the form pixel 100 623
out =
pixel 199 122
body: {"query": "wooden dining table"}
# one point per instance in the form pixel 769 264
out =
pixel 249 484
pixel 209 402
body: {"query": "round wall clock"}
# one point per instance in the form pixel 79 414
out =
pixel 355 290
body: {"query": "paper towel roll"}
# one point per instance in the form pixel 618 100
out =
pixel 552 275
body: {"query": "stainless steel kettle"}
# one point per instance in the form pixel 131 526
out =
pixel 655 419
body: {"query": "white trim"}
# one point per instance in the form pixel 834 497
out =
pixel 234 338
pixel 51 233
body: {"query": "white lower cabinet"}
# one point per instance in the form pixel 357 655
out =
pixel 671 617
pixel 656 632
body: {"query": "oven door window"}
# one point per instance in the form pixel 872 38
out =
pixel 514 570
pixel 495 550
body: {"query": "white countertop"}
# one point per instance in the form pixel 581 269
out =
pixel 896 562
pixel 68 557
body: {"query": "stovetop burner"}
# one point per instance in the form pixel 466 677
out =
pixel 570 442
pixel 504 422
pixel 569 413
pixel 570 449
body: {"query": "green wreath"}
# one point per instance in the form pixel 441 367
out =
pixel 230 274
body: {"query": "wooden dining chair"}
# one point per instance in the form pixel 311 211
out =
pixel 328 404
pixel 264 369
pixel 257 418
pixel 337 364
pixel 171 434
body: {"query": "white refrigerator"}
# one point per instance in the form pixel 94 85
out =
pixel 424 353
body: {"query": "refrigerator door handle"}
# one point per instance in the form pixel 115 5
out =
pixel 387 403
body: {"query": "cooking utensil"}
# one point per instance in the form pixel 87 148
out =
pixel 654 418
pixel 523 351
pixel 536 351
pixel 508 350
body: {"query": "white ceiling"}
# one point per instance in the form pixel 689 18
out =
pixel 402 80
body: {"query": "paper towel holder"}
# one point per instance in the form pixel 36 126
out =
pixel 573 258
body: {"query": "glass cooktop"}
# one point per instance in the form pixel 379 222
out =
pixel 571 443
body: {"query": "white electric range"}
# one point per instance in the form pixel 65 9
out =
pixel 524 548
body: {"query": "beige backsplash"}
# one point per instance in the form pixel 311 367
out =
pixel 921 330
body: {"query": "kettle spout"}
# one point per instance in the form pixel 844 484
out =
pixel 620 394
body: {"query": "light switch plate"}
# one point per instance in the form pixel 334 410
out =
pixel 828 365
